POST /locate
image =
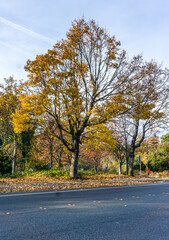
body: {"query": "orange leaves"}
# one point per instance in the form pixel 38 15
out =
pixel 79 28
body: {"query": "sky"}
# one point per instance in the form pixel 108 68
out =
pixel 31 27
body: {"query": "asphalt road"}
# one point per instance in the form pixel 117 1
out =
pixel 139 212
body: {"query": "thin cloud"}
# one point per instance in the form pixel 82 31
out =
pixel 26 31
pixel 14 48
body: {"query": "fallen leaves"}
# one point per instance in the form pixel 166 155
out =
pixel 44 208
pixel 48 183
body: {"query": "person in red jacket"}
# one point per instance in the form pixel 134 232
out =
pixel 148 171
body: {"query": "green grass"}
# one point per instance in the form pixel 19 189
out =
pixel 53 172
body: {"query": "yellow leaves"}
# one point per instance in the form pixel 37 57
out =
pixel 90 112
pixel 33 104
pixel 99 137
pixel 21 122
pixel 29 113
pixel 40 70
pixel 75 34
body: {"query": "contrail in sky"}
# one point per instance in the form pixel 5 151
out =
pixel 26 31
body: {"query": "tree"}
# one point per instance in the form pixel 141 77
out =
pixel 25 143
pixel 48 146
pixel 147 148
pixel 96 146
pixel 91 157
pixel 76 84
pixel 8 103
pixel 147 104
pixel 119 154
pixel 159 160
pixel 165 138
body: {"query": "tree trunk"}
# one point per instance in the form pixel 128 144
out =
pixel 120 165
pixel 51 160
pixel 95 164
pixel 14 155
pixel 127 164
pixel 51 152
pixel 132 163
pixel 60 159
pixel 74 161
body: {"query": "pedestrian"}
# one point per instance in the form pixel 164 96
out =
pixel 148 171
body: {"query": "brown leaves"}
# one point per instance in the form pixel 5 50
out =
pixel 47 183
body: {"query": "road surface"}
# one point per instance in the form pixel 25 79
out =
pixel 139 212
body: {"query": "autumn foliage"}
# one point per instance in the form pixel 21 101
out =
pixel 84 97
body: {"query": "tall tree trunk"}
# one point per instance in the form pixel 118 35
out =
pixel 51 151
pixel 74 161
pixel 134 145
pixel 74 164
pixel 127 164
pixel 95 164
pixel 14 154
pixel 120 165
pixel 51 160
pixel 60 158
pixel 132 163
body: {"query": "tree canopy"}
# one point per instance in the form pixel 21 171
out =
pixel 73 83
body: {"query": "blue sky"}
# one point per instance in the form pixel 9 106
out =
pixel 30 27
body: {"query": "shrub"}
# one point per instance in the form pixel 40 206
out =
pixel 159 175
pixel 158 163
pixel 5 164
pixel 114 168
pixel 17 174
pixel 55 172
pixel 82 174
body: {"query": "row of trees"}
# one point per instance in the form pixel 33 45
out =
pixel 84 92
